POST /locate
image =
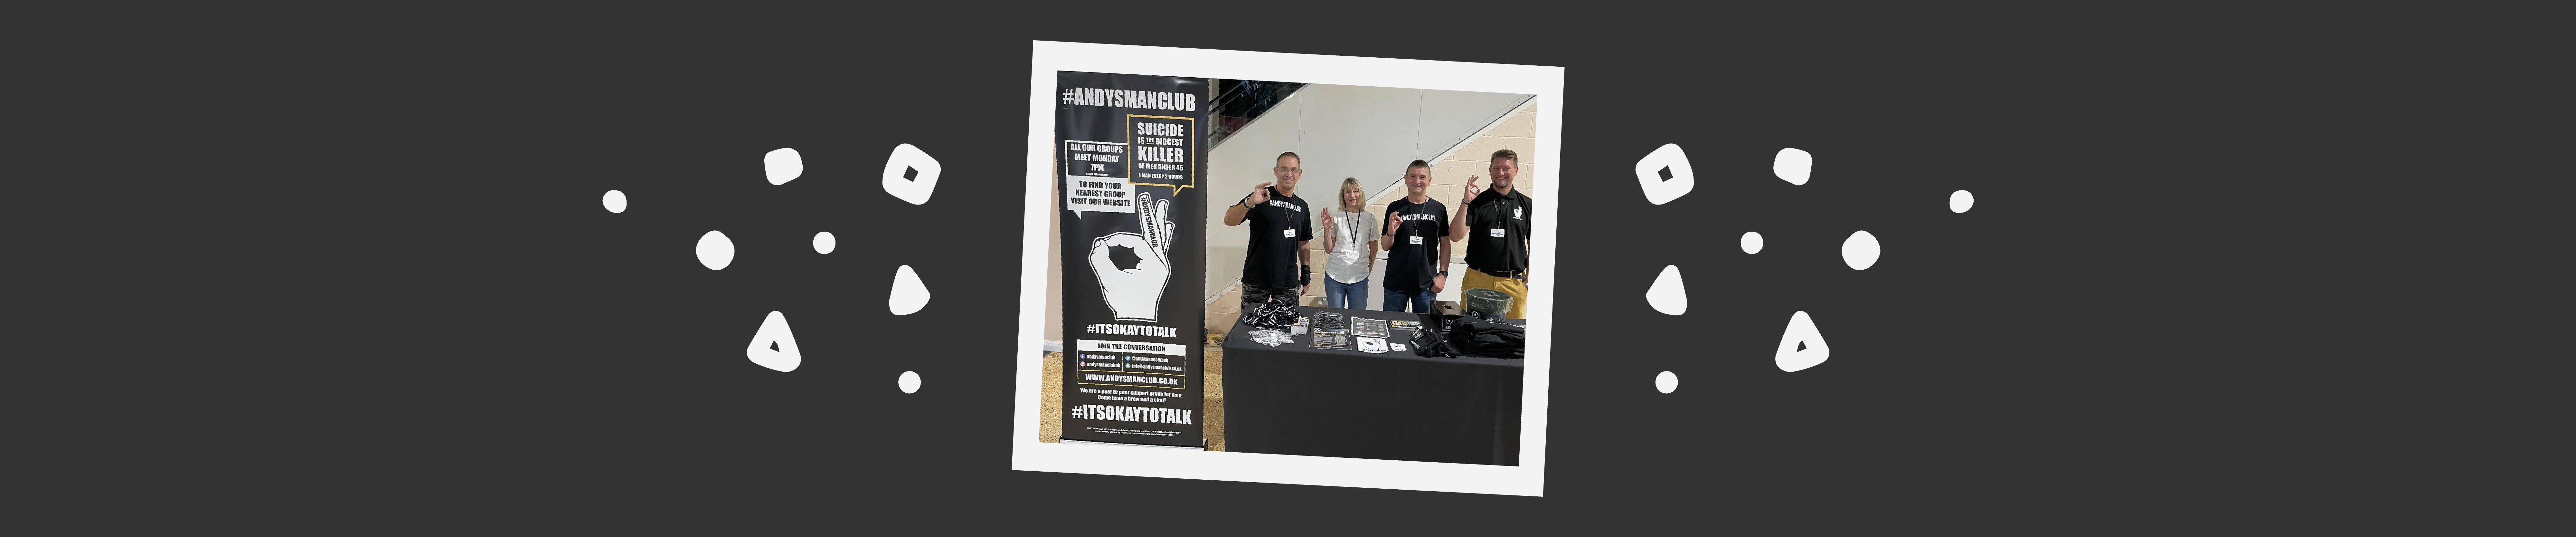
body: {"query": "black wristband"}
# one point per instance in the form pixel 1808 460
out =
pixel 1305 275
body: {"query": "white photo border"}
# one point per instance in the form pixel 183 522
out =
pixel 1027 453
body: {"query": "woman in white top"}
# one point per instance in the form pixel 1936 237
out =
pixel 1350 243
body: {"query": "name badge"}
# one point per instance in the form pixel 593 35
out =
pixel 1497 232
pixel 1292 233
pixel 1417 239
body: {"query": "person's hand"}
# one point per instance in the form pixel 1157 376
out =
pixel 1137 294
pixel 1439 282
pixel 1260 194
pixel 1393 222
pixel 1328 230
pixel 1471 190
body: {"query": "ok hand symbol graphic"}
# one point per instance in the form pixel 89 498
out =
pixel 1137 294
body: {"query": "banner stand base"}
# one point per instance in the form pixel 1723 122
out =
pixel 1073 441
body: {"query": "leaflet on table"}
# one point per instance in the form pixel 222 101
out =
pixel 1331 341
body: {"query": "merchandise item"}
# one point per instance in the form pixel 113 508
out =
pixel 1269 337
pixel 1480 334
pixel 1352 231
pixel 1271 316
pixel 1330 323
pixel 1497 226
pixel 1368 327
pixel 1372 345
pixel 1405 325
pixel 1276 226
pixel 1331 341
pixel 1414 257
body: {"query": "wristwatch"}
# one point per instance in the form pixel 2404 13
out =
pixel 1444 273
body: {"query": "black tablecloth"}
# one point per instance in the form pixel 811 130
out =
pixel 1297 400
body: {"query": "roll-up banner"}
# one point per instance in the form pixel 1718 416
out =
pixel 1130 148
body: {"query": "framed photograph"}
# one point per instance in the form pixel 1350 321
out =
pixel 1186 206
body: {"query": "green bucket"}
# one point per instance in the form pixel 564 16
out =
pixel 1488 301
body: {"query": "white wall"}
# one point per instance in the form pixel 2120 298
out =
pixel 1338 131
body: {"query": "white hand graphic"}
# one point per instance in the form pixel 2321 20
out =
pixel 1137 294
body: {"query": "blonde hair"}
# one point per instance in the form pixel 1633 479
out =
pixel 1349 184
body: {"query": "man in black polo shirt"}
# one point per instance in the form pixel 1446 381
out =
pixel 1275 262
pixel 1496 225
pixel 1416 270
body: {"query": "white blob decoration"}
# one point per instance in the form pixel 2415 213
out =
pixel 774 346
pixel 783 165
pixel 908 382
pixel 1792 165
pixel 615 201
pixel 1960 201
pixel 1650 174
pixel 1666 382
pixel 1666 295
pixel 908 294
pixel 1801 346
pixel 714 250
pixel 925 174
pixel 1861 250
pixel 824 242
pixel 1752 242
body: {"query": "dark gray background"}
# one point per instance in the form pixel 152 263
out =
pixel 331 269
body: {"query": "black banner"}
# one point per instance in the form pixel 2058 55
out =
pixel 1130 147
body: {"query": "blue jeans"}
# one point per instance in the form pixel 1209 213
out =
pixel 1345 295
pixel 1421 301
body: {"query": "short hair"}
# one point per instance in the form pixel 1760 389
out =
pixel 1418 163
pixel 1500 154
pixel 1301 161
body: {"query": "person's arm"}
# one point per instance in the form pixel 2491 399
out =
pixel 1372 256
pixel 1387 234
pixel 1372 242
pixel 1327 235
pixel 1234 215
pixel 1458 226
pixel 1440 282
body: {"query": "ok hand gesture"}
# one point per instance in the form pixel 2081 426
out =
pixel 1471 190
pixel 1260 194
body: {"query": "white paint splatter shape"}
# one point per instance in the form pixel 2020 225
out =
pixel 1650 174
pixel 783 165
pixel 774 346
pixel 908 382
pixel 1792 165
pixel 1960 201
pixel 1801 346
pixel 1666 382
pixel 1667 295
pixel 925 174
pixel 908 294
pixel 1861 250
pixel 714 250
pixel 1752 242
pixel 824 242
pixel 615 201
